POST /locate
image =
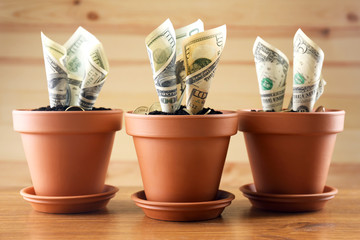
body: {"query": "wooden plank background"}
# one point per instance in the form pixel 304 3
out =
pixel 122 26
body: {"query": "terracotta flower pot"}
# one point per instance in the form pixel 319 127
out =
pixel 290 152
pixel 181 158
pixel 67 152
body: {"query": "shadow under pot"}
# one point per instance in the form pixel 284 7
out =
pixel 68 153
pixel 181 158
pixel 290 152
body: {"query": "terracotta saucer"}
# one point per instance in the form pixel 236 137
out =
pixel 288 202
pixel 183 211
pixel 69 204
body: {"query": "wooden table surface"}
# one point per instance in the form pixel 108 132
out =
pixel 122 219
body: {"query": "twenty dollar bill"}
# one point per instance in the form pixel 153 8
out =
pixel 201 55
pixel 181 35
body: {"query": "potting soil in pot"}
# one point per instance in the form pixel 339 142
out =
pixel 63 108
pixel 254 110
pixel 181 111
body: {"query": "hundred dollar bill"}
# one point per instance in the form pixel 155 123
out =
pixel 161 48
pixel 181 35
pixel 308 61
pixel 271 67
pixel 201 55
pixel 96 70
pixel 56 74
pixel 78 47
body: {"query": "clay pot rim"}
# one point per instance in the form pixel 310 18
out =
pixel 97 112
pixel 330 121
pixel 226 114
pixel 198 126
pixel 290 114
pixel 67 122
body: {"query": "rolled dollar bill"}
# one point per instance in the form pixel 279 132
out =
pixel 201 55
pixel 320 89
pixel 181 35
pixel 319 92
pixel 271 67
pixel 161 48
pixel 96 69
pixel 77 48
pixel 308 61
pixel 56 74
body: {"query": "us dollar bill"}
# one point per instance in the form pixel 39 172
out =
pixel 96 70
pixel 201 56
pixel 77 49
pixel 320 89
pixel 271 67
pixel 181 35
pixel 319 92
pixel 56 74
pixel 308 61
pixel 161 48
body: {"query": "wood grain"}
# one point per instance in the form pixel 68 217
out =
pixel 122 26
pixel 122 219
pixel 125 16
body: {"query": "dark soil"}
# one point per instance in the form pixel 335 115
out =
pixel 63 108
pixel 253 110
pixel 181 111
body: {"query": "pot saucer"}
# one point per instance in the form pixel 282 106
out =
pixel 69 204
pixel 288 202
pixel 183 211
